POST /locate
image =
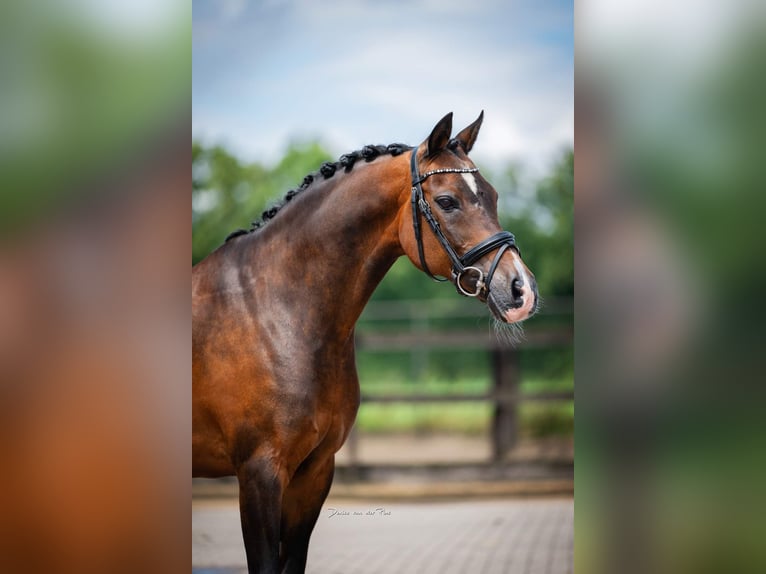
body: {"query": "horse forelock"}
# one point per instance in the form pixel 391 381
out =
pixel 327 170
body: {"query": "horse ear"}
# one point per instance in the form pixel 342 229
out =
pixel 440 135
pixel 468 136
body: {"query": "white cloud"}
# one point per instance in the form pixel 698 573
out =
pixel 364 72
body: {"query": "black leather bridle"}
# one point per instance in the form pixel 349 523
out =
pixel 501 241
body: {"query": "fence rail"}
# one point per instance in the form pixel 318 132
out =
pixel 512 397
pixel 506 374
pixel 470 340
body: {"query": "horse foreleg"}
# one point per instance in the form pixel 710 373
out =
pixel 260 498
pixel 301 506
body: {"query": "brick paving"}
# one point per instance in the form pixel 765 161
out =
pixel 508 536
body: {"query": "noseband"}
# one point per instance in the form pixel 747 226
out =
pixel 460 265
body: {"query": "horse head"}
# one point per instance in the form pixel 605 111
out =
pixel 450 226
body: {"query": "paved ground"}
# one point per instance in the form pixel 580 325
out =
pixel 508 536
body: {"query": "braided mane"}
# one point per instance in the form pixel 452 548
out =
pixel 327 170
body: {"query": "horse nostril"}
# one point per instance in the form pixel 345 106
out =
pixel 516 292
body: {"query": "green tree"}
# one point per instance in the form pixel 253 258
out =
pixel 545 229
pixel 228 194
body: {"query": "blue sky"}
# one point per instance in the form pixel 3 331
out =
pixel 354 72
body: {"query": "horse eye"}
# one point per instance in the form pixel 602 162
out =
pixel 447 203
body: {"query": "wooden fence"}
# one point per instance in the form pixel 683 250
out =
pixel 419 337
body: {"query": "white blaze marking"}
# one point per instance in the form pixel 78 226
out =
pixel 522 312
pixel 471 181
pixel 520 270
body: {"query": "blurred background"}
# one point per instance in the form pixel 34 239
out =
pixel 94 286
pixel 670 274
pixel 94 246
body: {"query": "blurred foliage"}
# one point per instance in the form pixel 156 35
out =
pixel 548 250
pixel 228 193
pixel 87 91
pixel 674 142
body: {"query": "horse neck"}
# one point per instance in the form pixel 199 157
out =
pixel 335 242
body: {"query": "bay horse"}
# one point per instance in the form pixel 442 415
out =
pixel 275 387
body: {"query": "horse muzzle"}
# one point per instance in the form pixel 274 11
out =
pixel 513 295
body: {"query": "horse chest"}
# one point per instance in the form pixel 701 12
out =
pixel 337 408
